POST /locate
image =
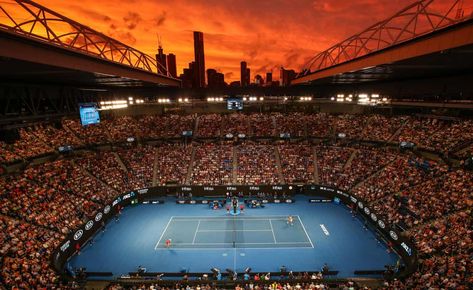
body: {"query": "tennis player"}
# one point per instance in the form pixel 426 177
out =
pixel 168 243
pixel 290 220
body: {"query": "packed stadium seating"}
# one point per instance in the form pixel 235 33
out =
pixel 297 163
pixel 429 199
pixel 432 133
pixel 212 165
pixel 256 164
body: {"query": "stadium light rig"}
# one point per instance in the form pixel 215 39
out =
pixel 343 98
pixel 164 101
pixel 113 105
pixel 183 100
pixel 214 100
pixel 372 100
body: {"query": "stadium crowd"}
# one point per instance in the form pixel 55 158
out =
pixel 172 164
pixel 428 132
pixel 297 163
pixel 445 246
pixel 256 164
pixel 430 200
pixel 213 165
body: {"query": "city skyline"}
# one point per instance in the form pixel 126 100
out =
pixel 266 34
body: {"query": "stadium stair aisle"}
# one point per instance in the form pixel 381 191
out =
pixel 234 165
pixel 432 221
pixel 316 167
pixel 462 147
pixel 120 161
pixel 44 143
pixel 86 172
pixel 107 132
pixel 191 166
pixel 398 131
pixel 196 126
pixel 373 175
pixel 155 167
pixel 275 126
pixel 70 131
pixel 350 159
pixel 278 164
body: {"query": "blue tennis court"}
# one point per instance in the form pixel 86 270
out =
pixel 259 238
pixel 238 232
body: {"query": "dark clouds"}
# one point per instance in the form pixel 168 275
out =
pixel 132 19
pixel 160 19
pixel 267 34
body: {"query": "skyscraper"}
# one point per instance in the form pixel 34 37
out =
pixel 243 77
pixel 172 65
pixel 215 79
pixel 187 76
pixel 286 76
pixel 259 81
pixel 269 78
pixel 161 58
pixel 199 69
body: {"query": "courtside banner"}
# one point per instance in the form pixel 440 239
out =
pixel 235 189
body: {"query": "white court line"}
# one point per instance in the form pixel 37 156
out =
pixel 229 248
pixel 274 237
pixel 264 218
pixel 205 231
pixel 237 217
pixel 229 219
pixel 244 243
pixel 196 230
pixel 299 218
pixel 234 259
pixel 162 234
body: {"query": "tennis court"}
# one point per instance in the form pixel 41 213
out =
pixel 234 232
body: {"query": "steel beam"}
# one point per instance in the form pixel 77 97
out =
pixel 23 48
pixel 449 38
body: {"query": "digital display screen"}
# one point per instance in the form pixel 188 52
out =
pixel 89 114
pixel 235 104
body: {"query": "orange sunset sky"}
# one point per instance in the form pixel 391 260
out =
pixel 266 34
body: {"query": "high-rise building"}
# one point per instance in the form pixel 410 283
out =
pixel 243 77
pixel 286 76
pixel 259 81
pixel 172 69
pixel 269 78
pixel 161 59
pixel 215 79
pixel 199 70
pixel 187 77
